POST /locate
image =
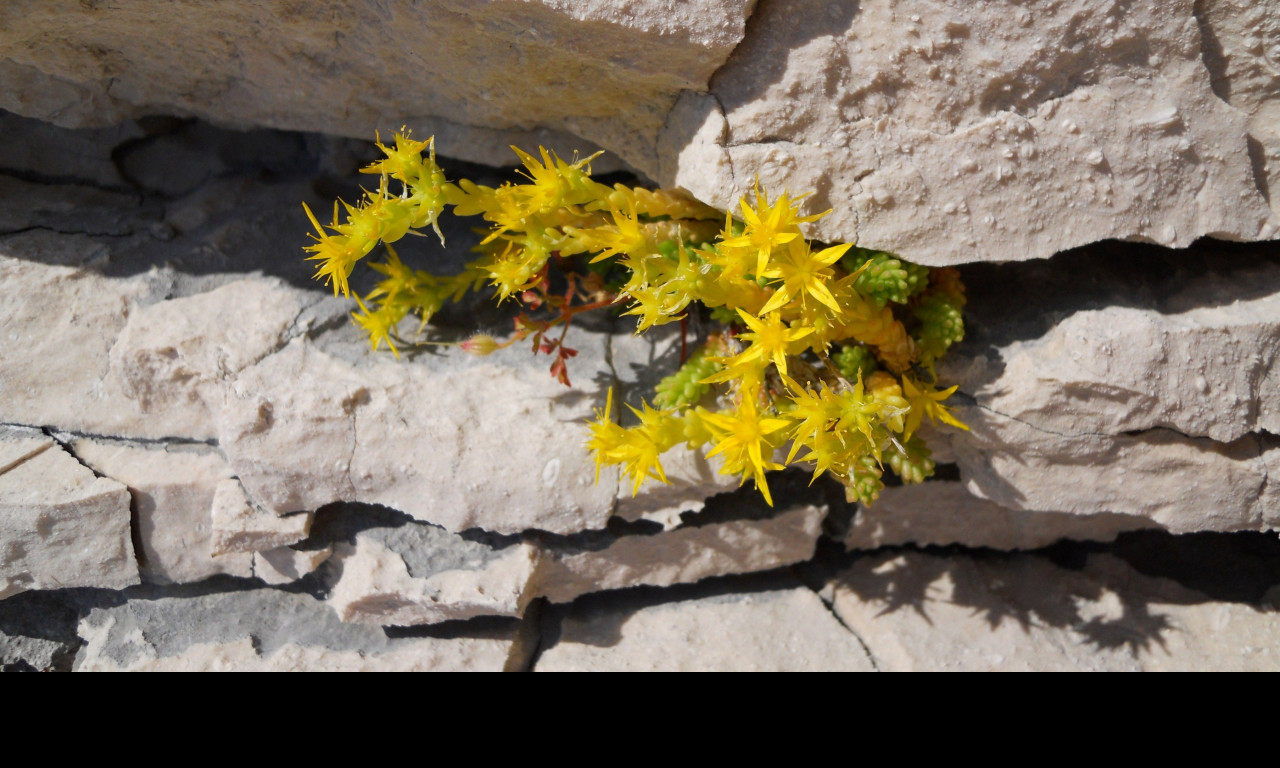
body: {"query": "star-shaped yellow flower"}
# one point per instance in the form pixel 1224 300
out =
pixel 927 401
pixel 743 439
pixel 804 273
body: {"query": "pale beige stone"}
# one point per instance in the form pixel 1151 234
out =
pixel 1162 400
pixel 173 491
pixel 427 654
pixel 963 132
pixel 241 526
pixel 947 132
pixel 1240 39
pixel 60 526
pixel 266 630
pixel 378 588
pixel 1209 371
pixel 172 358
pixel 474 444
pixel 782 630
pixel 56 332
pixel 479 74
pixel 683 555
pixel 285 565
pixel 1182 484
pixel 921 612
pixel 942 513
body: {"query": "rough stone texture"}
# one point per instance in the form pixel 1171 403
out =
pixel 55 378
pixel 60 526
pixel 1205 363
pixel 293 423
pixel 416 574
pixel 285 565
pixel 682 555
pixel 266 630
pixel 173 491
pixel 778 630
pixel 154 278
pixel 964 132
pixel 172 358
pixel 240 526
pixel 424 575
pixel 479 74
pixel 943 513
pixel 1164 394
pixel 922 612
pixel 950 132
pixel 1242 52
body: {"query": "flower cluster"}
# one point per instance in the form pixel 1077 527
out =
pixel 828 349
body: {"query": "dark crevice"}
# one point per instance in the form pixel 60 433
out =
pixel 818 573
pixel 1212 54
pixel 35 177
pixel 1258 164
pixel 60 435
pixel 56 231
pixel 527 645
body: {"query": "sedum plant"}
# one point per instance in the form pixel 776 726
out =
pixel 824 355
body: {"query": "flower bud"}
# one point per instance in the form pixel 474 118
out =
pixel 480 345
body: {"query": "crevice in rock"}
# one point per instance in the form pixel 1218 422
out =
pixel 56 231
pixel 60 435
pixel 24 458
pixel 830 606
pixel 1258 165
pixel 829 558
pixel 52 180
pixel 527 645
pixel 1139 433
pixel 1211 53
pixel 64 444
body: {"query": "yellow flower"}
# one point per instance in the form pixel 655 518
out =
pixel 770 339
pixel 769 226
pixel 743 439
pixel 379 323
pixel 804 273
pixel 927 401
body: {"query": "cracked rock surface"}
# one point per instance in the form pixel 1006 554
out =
pixel 203 465
pixel 956 132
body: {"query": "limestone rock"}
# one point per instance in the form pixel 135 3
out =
pixel 1183 484
pixel 942 513
pixel 414 574
pixel 957 133
pixel 172 358
pixel 83 155
pixel 1240 39
pixel 496 72
pixel 266 630
pixel 60 526
pixel 683 555
pixel 285 565
pixel 419 574
pixel 475 445
pixel 173 491
pixel 774 630
pixel 57 331
pixel 1270 501
pixel 948 133
pixel 922 612
pixel 1164 393
pixel 240 526
pixel 1205 362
